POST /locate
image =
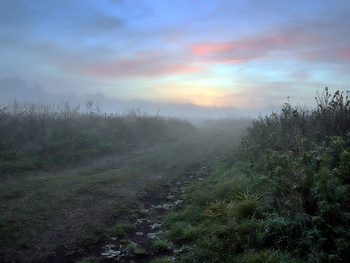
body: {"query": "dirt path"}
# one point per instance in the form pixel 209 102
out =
pixel 72 214
pixel 149 224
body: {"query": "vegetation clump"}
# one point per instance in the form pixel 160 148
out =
pixel 283 195
pixel 34 136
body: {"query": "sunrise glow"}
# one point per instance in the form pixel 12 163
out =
pixel 208 53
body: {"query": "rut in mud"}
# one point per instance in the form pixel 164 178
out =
pixel 149 224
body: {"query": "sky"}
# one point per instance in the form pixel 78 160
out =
pixel 245 54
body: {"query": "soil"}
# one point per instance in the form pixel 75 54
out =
pixel 156 203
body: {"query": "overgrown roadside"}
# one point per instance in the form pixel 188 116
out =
pixel 283 195
pixel 74 214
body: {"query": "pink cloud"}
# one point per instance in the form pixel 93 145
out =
pixel 326 54
pixel 140 66
pixel 206 49
pixel 240 51
pixel 232 61
pixel 344 52
pixel 279 40
pixel 291 41
pixel 294 43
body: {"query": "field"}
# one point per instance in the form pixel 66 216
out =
pixel 73 183
pixel 86 187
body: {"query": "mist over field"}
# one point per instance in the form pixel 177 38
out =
pixel 16 89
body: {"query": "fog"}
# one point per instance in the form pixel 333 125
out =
pixel 17 89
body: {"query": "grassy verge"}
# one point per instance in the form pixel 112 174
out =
pixel 281 196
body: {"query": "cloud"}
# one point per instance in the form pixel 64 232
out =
pixel 345 53
pixel 311 43
pixel 291 44
pixel 121 46
pixel 145 64
pixel 134 8
pixel 139 68
pixel 33 22
pixel 259 47
pixel 207 49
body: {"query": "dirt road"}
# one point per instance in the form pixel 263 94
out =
pixel 108 209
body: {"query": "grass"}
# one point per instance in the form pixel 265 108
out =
pixel 74 206
pixel 281 196
pixel 121 229
pixel 135 250
pixel 161 245
pixel 34 136
pixel 163 260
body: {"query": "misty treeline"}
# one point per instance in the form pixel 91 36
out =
pixel 282 195
pixel 34 136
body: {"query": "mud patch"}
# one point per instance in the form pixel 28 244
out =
pixel 138 246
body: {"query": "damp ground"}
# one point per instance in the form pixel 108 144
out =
pixel 111 209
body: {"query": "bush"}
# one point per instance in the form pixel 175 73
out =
pixel 292 203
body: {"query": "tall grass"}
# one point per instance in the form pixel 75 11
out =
pixel 33 136
pixel 303 157
pixel 283 195
pixel 287 129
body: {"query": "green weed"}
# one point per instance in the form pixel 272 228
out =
pixel 281 196
pixel 161 245
pixel 163 260
pixel 135 250
pixel 122 229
